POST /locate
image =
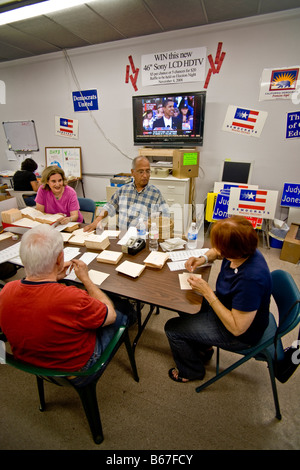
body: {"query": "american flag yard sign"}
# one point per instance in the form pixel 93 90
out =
pixel 66 127
pixel 244 121
pixel 253 203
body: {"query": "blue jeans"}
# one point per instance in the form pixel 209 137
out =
pixel 191 335
pixel 104 336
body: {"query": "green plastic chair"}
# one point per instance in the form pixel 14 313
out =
pixel 287 297
pixel 87 392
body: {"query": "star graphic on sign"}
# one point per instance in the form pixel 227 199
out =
pixel 250 196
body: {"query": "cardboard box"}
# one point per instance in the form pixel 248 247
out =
pixel 185 163
pixel 291 246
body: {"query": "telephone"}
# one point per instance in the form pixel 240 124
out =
pixel 133 245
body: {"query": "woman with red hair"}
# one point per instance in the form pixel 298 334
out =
pixel 233 317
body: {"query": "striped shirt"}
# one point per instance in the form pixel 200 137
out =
pixel 131 205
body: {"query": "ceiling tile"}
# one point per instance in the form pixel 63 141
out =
pixel 224 10
pixel 49 31
pixel 86 24
pixel 178 14
pixel 130 17
pixel 269 6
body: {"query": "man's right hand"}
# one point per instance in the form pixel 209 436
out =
pixel 80 269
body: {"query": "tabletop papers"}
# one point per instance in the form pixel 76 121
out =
pixel 183 280
pixel 130 268
pixel 156 259
pixel 178 258
pixel 110 257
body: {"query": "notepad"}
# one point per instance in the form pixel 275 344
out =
pixel 183 280
pixel 130 268
pixel 156 259
pixel 110 257
pixel 97 277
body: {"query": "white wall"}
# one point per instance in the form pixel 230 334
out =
pixel 41 87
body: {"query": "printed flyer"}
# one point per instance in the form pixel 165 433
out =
pixel 178 66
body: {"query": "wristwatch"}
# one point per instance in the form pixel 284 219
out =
pixel 205 257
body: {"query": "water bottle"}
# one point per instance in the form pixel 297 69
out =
pixel 99 229
pixel 153 237
pixel 192 237
pixel 141 228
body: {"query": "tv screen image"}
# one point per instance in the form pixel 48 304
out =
pixel 174 120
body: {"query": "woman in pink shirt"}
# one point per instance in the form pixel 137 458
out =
pixel 54 196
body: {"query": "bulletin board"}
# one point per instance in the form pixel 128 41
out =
pixel 67 158
pixel 21 136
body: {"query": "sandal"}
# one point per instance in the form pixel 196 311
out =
pixel 178 378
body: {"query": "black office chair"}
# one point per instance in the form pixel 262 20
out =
pixel 87 205
pixel 87 393
pixel 287 297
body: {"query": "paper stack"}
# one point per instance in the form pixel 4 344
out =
pixel 156 259
pixel 131 269
pixel 183 280
pixel 110 257
pixel 97 242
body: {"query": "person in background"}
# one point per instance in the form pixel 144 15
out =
pixel 134 200
pixel 26 180
pixel 49 324
pixel 54 196
pixel 236 315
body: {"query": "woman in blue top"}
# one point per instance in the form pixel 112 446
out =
pixel 237 314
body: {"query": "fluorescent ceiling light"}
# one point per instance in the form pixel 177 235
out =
pixel 30 11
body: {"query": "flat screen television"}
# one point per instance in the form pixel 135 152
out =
pixel 169 120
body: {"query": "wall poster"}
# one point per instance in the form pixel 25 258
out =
pixel 279 83
pixel 177 66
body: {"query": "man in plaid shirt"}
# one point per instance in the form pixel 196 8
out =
pixel 134 200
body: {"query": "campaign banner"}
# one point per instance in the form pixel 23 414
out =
pixel 66 127
pixel 221 206
pixel 86 100
pixel 279 83
pixel 177 66
pixel 290 195
pixel 253 203
pixel 244 121
pixel 293 125
pixel 219 185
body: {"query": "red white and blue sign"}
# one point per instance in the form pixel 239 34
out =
pixel 253 203
pixel 86 100
pixel 246 121
pixel 66 125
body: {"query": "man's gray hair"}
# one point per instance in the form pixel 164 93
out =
pixel 134 161
pixel 40 247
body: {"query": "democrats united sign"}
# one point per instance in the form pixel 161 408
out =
pixel 86 100
pixel 290 195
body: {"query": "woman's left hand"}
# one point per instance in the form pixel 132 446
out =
pixel 199 285
pixel 64 220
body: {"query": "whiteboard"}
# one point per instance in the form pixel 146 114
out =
pixel 21 136
pixel 67 158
